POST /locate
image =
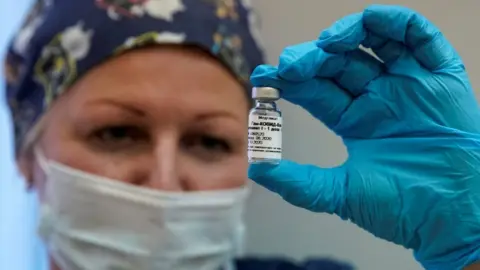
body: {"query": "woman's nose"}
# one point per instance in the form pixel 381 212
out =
pixel 163 171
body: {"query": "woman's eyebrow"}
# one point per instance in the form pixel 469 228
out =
pixel 218 114
pixel 109 102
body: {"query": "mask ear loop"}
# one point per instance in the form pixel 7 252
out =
pixel 46 223
pixel 41 160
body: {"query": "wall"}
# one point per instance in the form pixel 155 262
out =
pixel 275 228
pixel 19 247
pixel 278 228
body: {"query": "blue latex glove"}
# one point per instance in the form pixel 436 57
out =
pixel 411 126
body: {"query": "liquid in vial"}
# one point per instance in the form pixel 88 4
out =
pixel 265 127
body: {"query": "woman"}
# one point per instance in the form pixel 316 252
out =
pixel 130 121
pixel 133 132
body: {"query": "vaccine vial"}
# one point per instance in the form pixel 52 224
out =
pixel 265 127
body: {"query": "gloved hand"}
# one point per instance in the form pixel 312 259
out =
pixel 411 126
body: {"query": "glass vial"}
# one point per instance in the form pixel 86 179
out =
pixel 265 127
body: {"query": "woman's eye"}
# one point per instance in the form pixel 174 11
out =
pixel 119 136
pixel 208 147
pixel 214 144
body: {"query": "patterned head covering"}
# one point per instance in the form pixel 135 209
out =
pixel 61 40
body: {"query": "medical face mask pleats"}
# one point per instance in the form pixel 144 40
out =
pixel 91 222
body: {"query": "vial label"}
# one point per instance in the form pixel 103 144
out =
pixel 264 137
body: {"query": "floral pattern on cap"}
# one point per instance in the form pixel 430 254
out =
pixel 61 40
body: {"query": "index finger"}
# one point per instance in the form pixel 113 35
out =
pixel 380 24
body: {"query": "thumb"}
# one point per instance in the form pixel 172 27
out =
pixel 306 186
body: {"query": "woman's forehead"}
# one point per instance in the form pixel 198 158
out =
pixel 148 81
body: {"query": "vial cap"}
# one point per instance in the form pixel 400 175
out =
pixel 265 93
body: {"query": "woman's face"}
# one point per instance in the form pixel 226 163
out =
pixel 164 118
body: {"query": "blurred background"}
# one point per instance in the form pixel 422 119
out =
pixel 274 227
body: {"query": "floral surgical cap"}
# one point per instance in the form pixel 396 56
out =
pixel 61 40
